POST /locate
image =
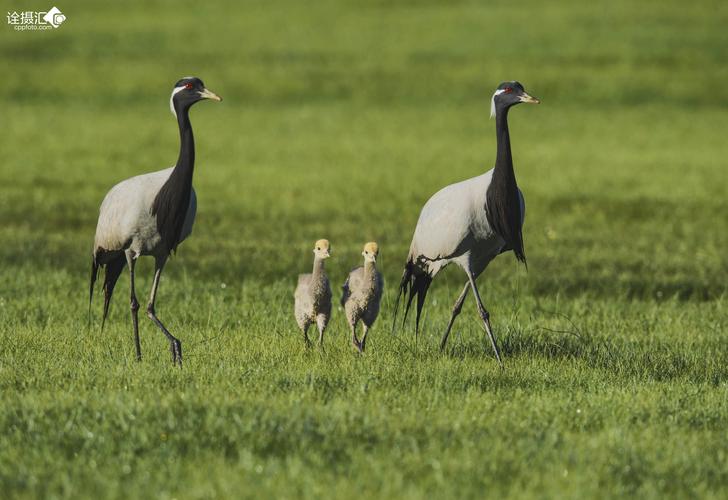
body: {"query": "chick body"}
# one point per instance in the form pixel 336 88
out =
pixel 362 294
pixel 312 298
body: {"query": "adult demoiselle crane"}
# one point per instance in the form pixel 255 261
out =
pixel 150 214
pixel 469 223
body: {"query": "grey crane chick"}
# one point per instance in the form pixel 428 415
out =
pixel 362 294
pixel 313 294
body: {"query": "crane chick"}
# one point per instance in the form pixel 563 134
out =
pixel 362 294
pixel 313 294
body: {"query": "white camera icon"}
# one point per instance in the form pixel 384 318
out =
pixel 54 17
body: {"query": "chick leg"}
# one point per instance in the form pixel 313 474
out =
pixel 321 322
pixel 304 328
pixel 354 339
pixel 364 336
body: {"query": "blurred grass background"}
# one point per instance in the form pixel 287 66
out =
pixel 340 119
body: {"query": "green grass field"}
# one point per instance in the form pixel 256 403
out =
pixel 339 121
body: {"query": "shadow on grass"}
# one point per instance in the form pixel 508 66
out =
pixel 633 289
pixel 644 360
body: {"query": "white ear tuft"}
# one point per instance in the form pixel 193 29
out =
pixel 492 101
pixel 171 100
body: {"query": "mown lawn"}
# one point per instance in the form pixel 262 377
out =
pixel 339 121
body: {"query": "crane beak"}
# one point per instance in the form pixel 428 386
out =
pixel 207 94
pixel 528 99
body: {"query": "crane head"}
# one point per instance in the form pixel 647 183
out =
pixel 508 94
pixel 188 91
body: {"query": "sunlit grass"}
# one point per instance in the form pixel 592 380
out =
pixel 339 121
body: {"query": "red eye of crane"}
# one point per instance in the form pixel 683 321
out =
pixel 188 86
pixel 508 90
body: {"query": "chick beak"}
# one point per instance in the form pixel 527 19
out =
pixel 528 99
pixel 207 94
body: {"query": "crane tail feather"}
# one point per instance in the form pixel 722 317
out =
pixel 415 282
pixel 94 274
pixel 396 310
pixel 113 271
pixel 421 294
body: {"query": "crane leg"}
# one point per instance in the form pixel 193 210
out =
pixel 455 311
pixel 485 316
pixel 174 344
pixel 354 339
pixel 364 336
pixel 305 334
pixel 321 324
pixel 134 304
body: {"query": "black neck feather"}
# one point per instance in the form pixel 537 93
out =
pixel 503 204
pixel 172 202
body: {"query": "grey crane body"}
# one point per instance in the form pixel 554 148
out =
pixel 453 227
pixel 126 222
pixel 470 223
pixel 312 297
pixel 150 214
pixel 362 294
